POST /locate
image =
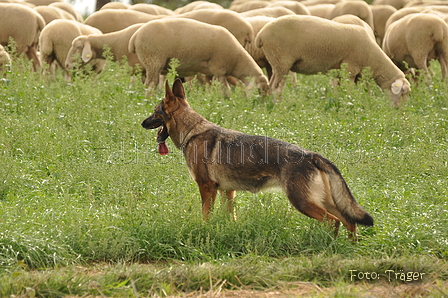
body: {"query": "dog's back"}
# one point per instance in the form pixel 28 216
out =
pixel 219 158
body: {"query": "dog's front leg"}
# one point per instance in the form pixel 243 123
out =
pixel 208 192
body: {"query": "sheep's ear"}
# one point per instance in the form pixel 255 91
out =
pixel 86 52
pixel 397 87
pixel 178 89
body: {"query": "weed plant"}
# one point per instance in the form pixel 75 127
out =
pixel 83 189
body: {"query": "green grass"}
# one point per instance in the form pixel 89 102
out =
pixel 88 207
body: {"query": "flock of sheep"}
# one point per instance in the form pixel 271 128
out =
pixel 391 37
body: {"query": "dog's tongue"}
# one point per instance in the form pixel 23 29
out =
pixel 163 148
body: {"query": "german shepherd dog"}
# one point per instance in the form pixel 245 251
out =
pixel 228 160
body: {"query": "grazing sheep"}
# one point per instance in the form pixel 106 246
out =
pixel 401 13
pixel 321 10
pixel 50 13
pixel 23 24
pixel 416 39
pixel 415 9
pixel 211 50
pixel 5 60
pixel 318 2
pixel 232 21
pixel 269 12
pixel 295 6
pixel 350 19
pixel 90 47
pixel 115 5
pixel 41 2
pixel 68 8
pixel 110 20
pixel 426 3
pixel 56 40
pixel 243 6
pixel 398 4
pixel 380 15
pixel 309 45
pixel 152 9
pixel 197 5
pixel 257 54
pixel 357 8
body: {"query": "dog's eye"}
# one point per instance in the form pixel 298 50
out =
pixel 159 109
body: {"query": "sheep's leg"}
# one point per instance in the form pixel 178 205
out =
pixel 225 85
pixel 421 62
pixel 277 81
pixel 443 65
pixel 152 79
pixel 32 55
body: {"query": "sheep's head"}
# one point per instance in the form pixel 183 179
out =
pixel 80 47
pixel 261 82
pixel 399 90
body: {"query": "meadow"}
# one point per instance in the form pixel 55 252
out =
pixel 89 208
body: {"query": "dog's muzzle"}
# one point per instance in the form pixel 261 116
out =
pixel 150 123
pixel 162 134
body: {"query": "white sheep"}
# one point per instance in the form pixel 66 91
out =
pixel 68 8
pixel 318 2
pixel 416 39
pixel 5 59
pixel 295 6
pixel 357 8
pixel 257 54
pixel 56 39
pixel 269 12
pixel 398 4
pixel 50 13
pixel 311 45
pixel 321 10
pixel 34 3
pixel 23 24
pixel 152 9
pixel 426 3
pixel 243 6
pixel 110 20
pixel 350 19
pixel 211 50
pixel 381 14
pixel 91 47
pixel 115 5
pixel 231 20
pixel 401 13
pixel 435 9
pixel 199 4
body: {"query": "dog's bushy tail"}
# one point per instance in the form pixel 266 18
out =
pixel 342 196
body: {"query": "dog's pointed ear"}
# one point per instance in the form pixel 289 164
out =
pixel 168 92
pixel 178 88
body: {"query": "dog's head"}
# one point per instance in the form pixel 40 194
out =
pixel 165 111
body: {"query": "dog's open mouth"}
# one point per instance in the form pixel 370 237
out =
pixel 162 135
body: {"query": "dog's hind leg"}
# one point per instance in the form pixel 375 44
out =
pixel 312 210
pixel 208 192
pixel 351 227
pixel 229 202
pixel 330 206
pixel 308 197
